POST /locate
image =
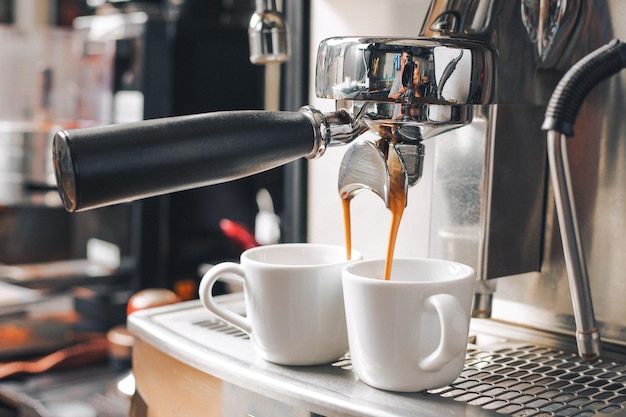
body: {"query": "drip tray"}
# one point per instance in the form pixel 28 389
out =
pixel 502 375
pixel 529 380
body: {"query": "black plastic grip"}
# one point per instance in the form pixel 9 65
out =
pixel 578 81
pixel 111 164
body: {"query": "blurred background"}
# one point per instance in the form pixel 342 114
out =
pixel 74 63
pixel 66 280
pixel 78 63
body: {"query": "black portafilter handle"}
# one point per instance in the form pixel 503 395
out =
pixel 571 91
pixel 107 165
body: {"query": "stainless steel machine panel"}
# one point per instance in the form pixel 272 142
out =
pixel 596 154
pixel 524 253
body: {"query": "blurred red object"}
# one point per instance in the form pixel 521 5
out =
pixel 239 234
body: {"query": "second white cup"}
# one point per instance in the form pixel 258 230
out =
pixel 294 301
pixel 408 333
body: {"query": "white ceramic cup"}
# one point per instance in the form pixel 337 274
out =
pixel 294 301
pixel 408 333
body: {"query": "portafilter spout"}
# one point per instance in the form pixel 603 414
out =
pixel 374 165
pixel 559 122
pixel 405 90
pixel 106 165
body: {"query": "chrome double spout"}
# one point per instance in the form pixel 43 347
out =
pixel 370 165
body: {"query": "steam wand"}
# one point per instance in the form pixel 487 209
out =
pixel 560 117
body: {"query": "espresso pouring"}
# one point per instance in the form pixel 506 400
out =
pixel 397 203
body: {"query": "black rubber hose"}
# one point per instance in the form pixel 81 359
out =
pixel 578 81
pixel 111 164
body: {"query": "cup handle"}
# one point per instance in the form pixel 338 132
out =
pixel 453 325
pixel 206 296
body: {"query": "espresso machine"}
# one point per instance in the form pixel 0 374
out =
pixel 475 157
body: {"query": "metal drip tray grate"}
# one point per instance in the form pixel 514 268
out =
pixel 222 327
pixel 522 380
pixel 538 381
pixel 518 376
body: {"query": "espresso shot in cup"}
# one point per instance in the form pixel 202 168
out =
pixel 408 333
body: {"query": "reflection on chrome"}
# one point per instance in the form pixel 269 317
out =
pixel 425 71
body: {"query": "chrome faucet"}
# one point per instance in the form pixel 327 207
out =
pixel 268 34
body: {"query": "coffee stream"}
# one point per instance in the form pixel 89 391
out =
pixel 397 203
pixel 345 202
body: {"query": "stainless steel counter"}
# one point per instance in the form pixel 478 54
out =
pixel 505 374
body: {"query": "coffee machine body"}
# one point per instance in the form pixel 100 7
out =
pixel 485 197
